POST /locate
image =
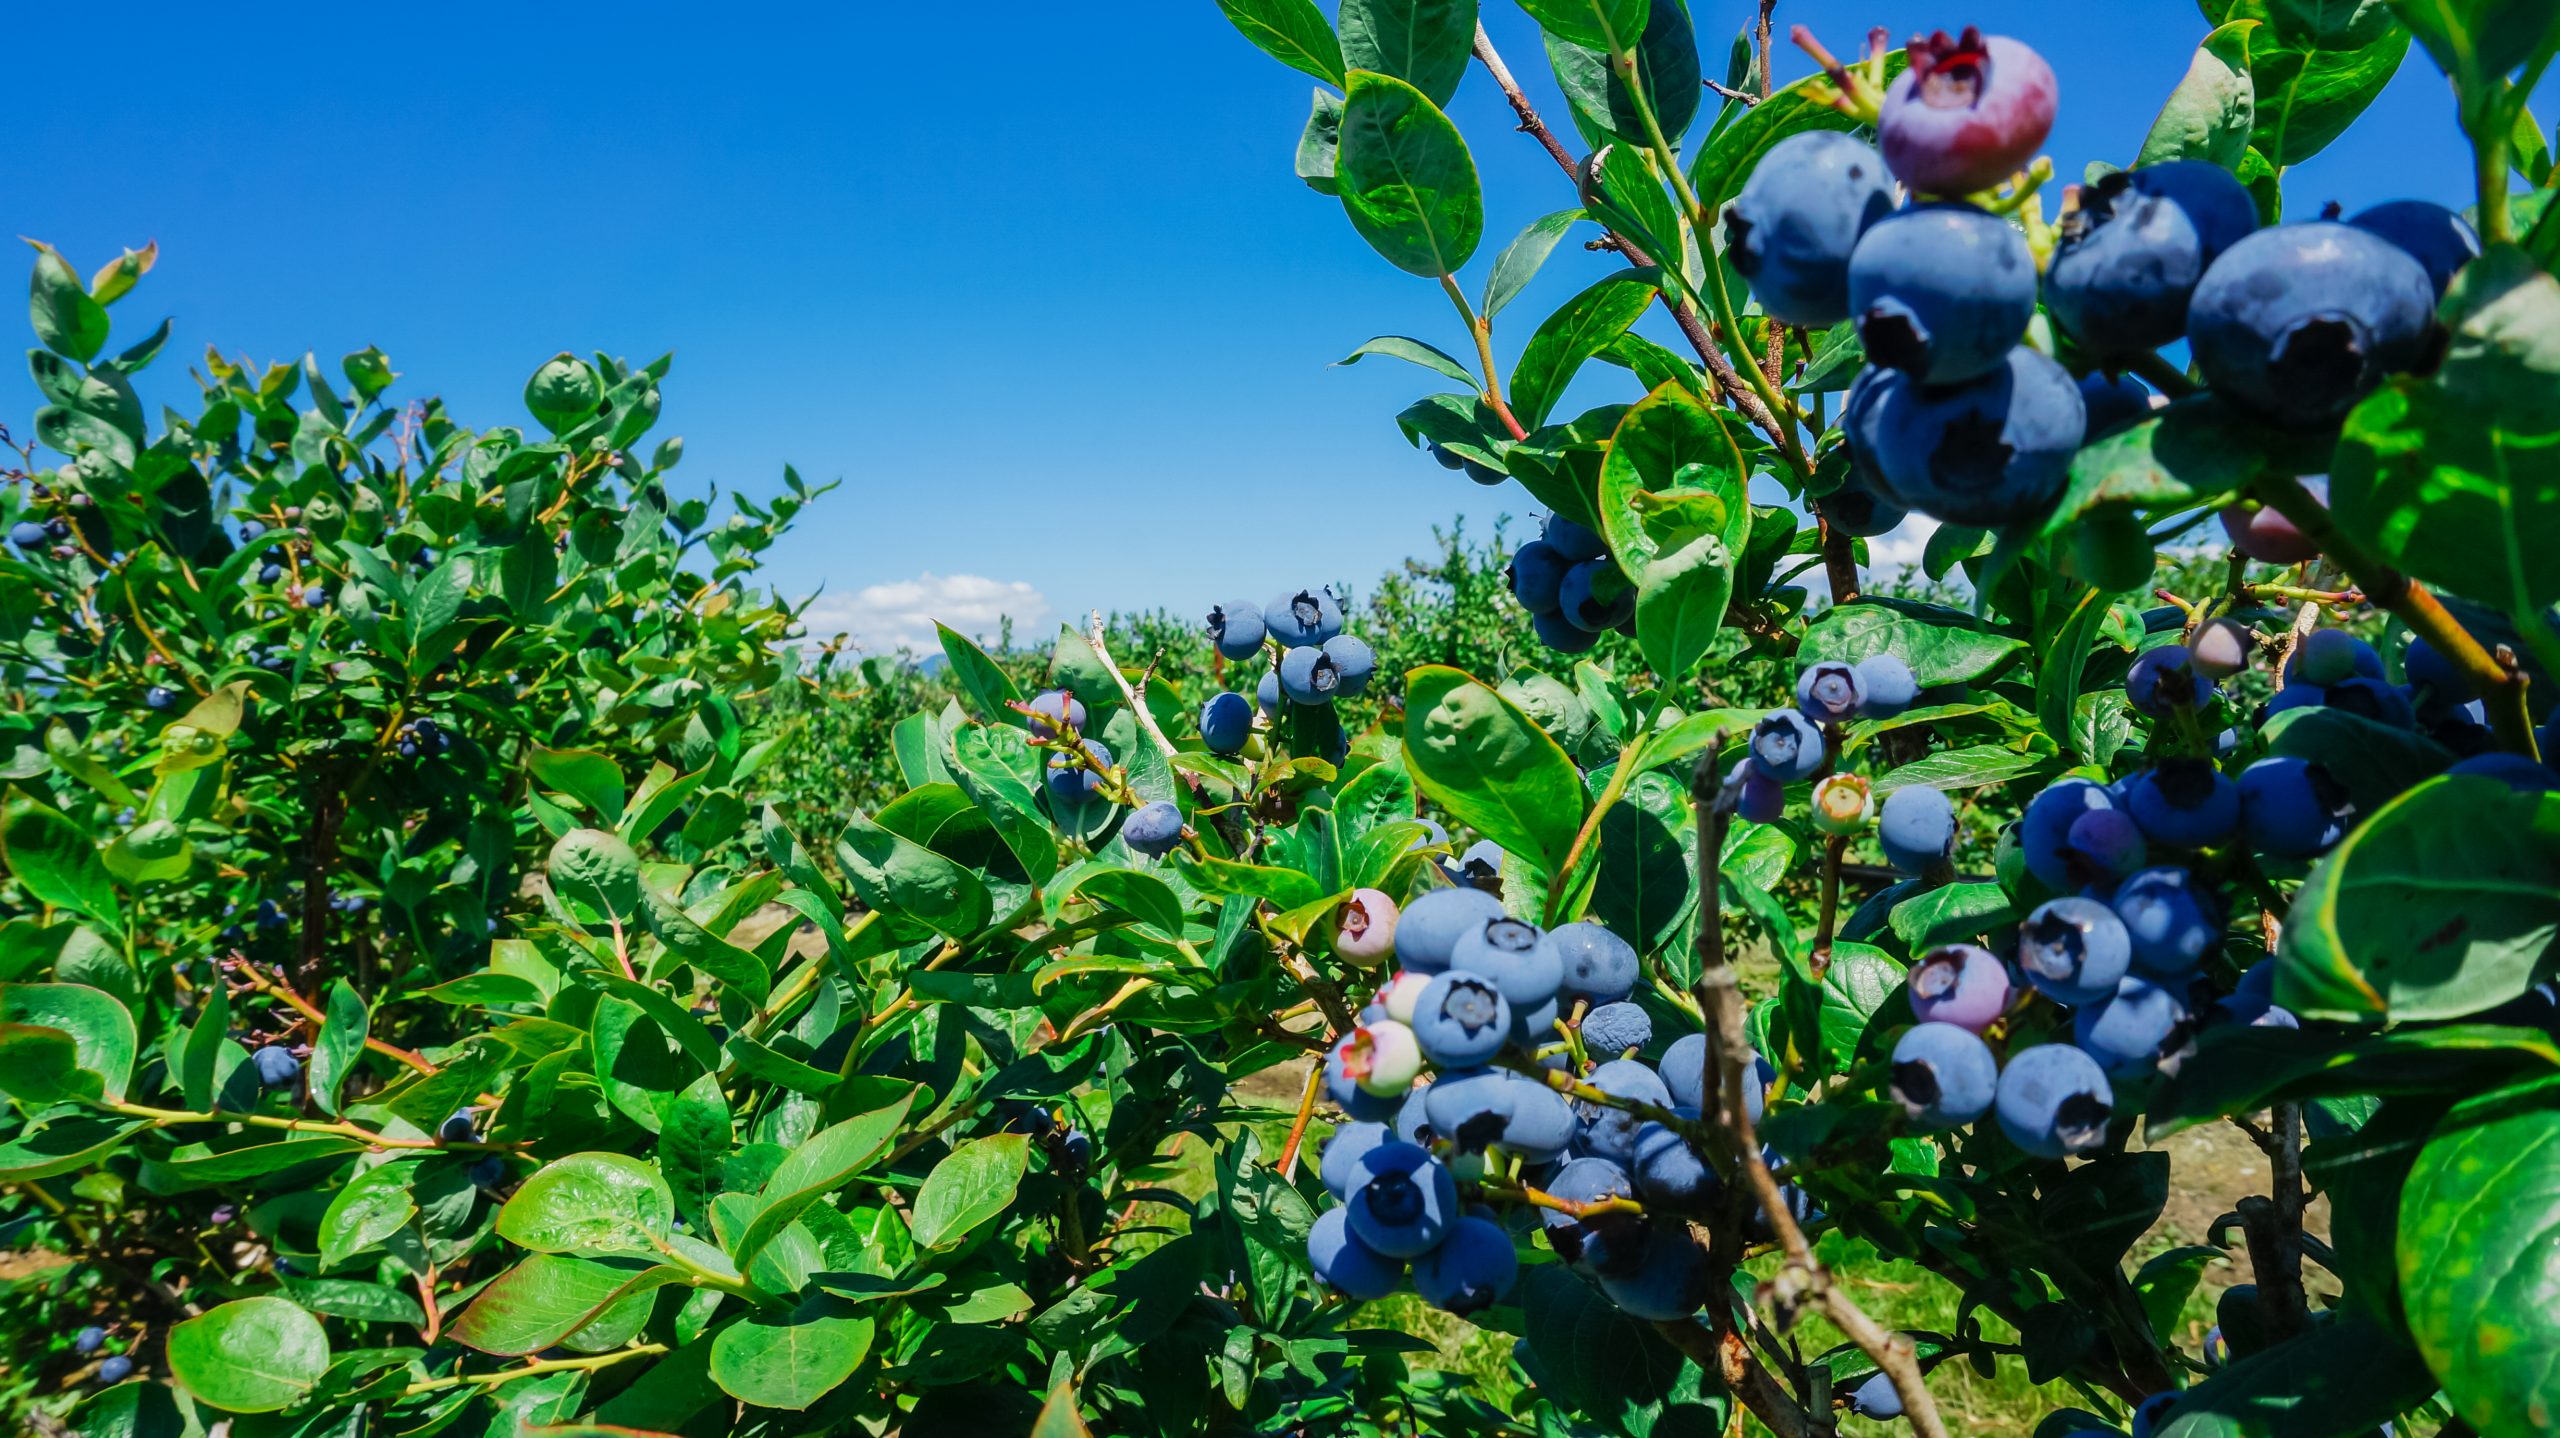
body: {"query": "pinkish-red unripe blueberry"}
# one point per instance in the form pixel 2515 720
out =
pixel 1961 984
pixel 1969 113
pixel 1365 927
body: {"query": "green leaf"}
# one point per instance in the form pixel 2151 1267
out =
pixel 968 1188
pixel 252 1355
pixel 40 1066
pixel 906 878
pixel 1728 160
pixel 1481 759
pixel 101 1028
pixel 2193 452
pixel 589 1203
pixel 67 318
pixel 64 1145
pixel 1407 181
pixel 1942 646
pixel 1521 260
pixel 2242 1070
pixel 1058 1416
pixel 991 695
pixel 1320 142
pixel 563 392
pixel 1671 475
pixel 339 1045
pixel 1594 24
pixel 1666 65
pixel 586 775
pixel 2444 903
pixel 2059 669
pixel 57 863
pixel 549 1296
pixel 791 1360
pixel 690 942
pixel 1602 1358
pixel 694 1138
pixel 2311 82
pixel 374 1205
pixel 2477 1219
pixel 815 1169
pixel 1950 914
pixel 1414 351
pixel 1425 43
pixel 1293 32
pixel 2373 761
pixel 2211 113
pixel 1579 329
pixel 1700 529
pixel 2478 41
pixel 1144 897
pixel 2456 478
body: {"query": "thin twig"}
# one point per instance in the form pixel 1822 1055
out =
pixel 1802 1282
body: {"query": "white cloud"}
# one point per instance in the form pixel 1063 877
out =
pixel 885 618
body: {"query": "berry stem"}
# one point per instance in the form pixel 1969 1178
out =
pixel 536 1369
pixel 1803 1282
pixel 1480 329
pixel 2502 689
pixel 1298 1126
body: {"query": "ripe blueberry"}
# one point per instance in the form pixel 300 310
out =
pixel 1461 1020
pixel 2163 680
pixel 1669 1172
pixel 1309 676
pixel 1562 635
pixel 1786 747
pixel 1343 1151
pixel 1303 618
pixel 2104 847
pixel 2136 247
pixel 1345 1264
pixel 1764 800
pixel 1943 1076
pixel 2441 241
pixel 1967 114
pixel 1613 1029
pixel 2132 1031
pixel 1266 692
pixel 1791 229
pixel 1886 686
pixel 1155 830
pixel 1599 966
pixel 1352 662
pixel 2054 1101
pixel 2172 919
pixel 2044 835
pixel 1054 714
pixel 1684 1073
pixel 1226 721
pixel 2298 322
pixel 1470 1270
pixel 1942 292
pixel 116 1368
pixel 1543 1124
pixel 2186 803
pixel 2073 950
pixel 1448 459
pixel 1537 576
pixel 1429 928
pixel 2112 403
pixel 1876 1398
pixel 29 535
pixel 1859 508
pixel 457 1127
pixel 1595 596
pixel 1667 1278
pixel 1072 784
pixel 1960 984
pixel 2291 808
pixel 1990 453
pixel 1598 1241
pixel 1611 1132
pixel 1471 1107
pixel 276 1066
pixel 89 1340
pixel 1576 542
pixel 2517 772
pixel 1917 827
pixel 1515 956
pixel 2372 699
pixel 159 697
pixel 2442 682
pixel 1826 693
pixel 1237 629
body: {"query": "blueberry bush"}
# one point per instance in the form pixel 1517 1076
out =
pixel 440 992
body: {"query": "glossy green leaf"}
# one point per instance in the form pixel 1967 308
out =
pixel 251 1355
pixel 691 943
pixel 2243 1070
pixel 1414 351
pixel 991 693
pixel 549 1296
pixel 1666 68
pixel 2312 81
pixel 100 1026
pixel 67 318
pixel 585 775
pixel 1521 260
pixel 2193 452
pixel 1716 176
pixel 968 1188
pixel 694 1138
pixel 1425 43
pixel 56 861
pixel 2210 114
pixel 815 1169
pixel 1942 646
pixel 1407 181
pixel 2444 903
pixel 1565 340
pixel 339 1044
pixel 374 1205
pixel 2456 477
pixel 589 1203
pixel 2478 1216
pixel 1293 32
pixel 906 878
pixel 1481 759
pixel 794 1359
pixel 1607 25
pixel 1672 474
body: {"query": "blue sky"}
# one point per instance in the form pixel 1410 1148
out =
pixel 1035 281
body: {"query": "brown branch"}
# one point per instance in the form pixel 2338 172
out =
pixel 2273 1227
pixel 1802 1282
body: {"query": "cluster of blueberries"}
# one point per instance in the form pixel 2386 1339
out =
pixel 1954 415
pixel 52 536
pixel 114 1368
pixel 422 736
pixel 1456 1074
pixel 1573 590
pixel 1792 746
pixel 1318 663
